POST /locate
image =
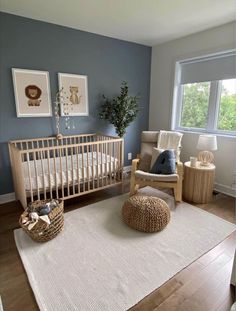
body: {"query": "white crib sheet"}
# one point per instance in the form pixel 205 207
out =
pixel 44 173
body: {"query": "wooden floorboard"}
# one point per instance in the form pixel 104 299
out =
pixel 202 286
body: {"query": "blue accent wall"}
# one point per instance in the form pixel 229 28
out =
pixel 31 44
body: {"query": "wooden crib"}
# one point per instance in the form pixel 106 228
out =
pixel 44 168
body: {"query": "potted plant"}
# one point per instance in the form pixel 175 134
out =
pixel 120 110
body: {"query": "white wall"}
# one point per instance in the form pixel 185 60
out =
pixel 164 57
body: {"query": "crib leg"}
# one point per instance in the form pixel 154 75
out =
pixel 23 201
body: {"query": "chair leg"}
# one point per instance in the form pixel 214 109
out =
pixel 178 192
pixel 132 185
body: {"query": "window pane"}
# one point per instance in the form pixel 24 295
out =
pixel 227 109
pixel 195 105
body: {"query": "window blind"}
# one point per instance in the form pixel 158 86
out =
pixel 213 68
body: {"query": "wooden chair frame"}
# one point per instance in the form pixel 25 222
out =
pixel 136 183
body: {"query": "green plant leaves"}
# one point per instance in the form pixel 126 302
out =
pixel 120 110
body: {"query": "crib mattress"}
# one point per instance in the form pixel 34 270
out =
pixel 64 170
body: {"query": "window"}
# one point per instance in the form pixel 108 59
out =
pixel 195 101
pixel 206 105
pixel 227 106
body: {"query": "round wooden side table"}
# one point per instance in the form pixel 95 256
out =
pixel 198 182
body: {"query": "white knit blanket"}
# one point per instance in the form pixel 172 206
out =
pixel 99 264
pixel 170 140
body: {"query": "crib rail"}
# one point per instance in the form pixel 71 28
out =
pixel 66 168
pixel 44 142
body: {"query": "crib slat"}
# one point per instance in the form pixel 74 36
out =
pixel 30 179
pixel 83 168
pixel 110 172
pixel 106 157
pixel 102 152
pixel 122 159
pixel 72 168
pixel 62 183
pixel 55 172
pixel 67 171
pixel 118 159
pixel 21 148
pixel 43 175
pixel 43 149
pixel 92 165
pixel 66 143
pixel 115 157
pixel 21 145
pixel 114 160
pixel 36 175
pixel 97 166
pixel 49 173
pixel 88 177
pixel 78 168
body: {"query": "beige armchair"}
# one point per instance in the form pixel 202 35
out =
pixel 140 176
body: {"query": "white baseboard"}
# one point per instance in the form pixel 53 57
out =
pixel 225 189
pixel 8 197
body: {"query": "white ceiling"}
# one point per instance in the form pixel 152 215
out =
pixel 148 22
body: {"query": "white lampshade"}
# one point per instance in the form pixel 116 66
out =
pixel 207 142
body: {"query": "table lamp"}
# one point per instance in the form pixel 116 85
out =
pixel 206 143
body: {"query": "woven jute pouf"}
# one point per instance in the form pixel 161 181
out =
pixel 146 213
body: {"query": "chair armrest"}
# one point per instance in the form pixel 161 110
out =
pixel 180 169
pixel 135 163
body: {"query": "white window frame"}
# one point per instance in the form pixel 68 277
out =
pixel 213 107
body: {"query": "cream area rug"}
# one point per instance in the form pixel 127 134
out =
pixel 98 263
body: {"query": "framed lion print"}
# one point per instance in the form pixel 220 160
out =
pixel 75 88
pixel 32 93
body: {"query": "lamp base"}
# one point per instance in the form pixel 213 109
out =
pixel 205 158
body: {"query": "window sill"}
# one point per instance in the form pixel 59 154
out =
pixel 199 131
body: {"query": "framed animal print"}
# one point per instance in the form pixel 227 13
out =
pixel 75 88
pixel 32 93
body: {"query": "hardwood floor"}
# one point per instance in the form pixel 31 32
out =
pixel 202 286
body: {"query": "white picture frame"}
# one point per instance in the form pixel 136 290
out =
pixel 75 88
pixel 32 93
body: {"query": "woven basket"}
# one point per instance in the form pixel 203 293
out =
pixel 42 231
pixel 146 213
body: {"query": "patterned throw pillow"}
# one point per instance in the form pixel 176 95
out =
pixel 165 163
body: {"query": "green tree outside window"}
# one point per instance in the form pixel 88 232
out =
pixel 195 107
